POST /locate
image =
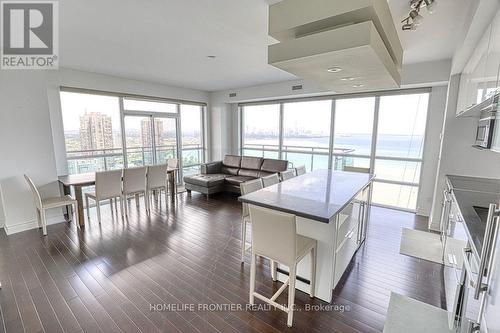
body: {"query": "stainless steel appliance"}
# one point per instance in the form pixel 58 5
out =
pixel 476 279
pixel 484 133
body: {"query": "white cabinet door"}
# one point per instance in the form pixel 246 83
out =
pixel 493 59
pixel 473 84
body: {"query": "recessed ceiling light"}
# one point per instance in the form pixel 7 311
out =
pixel 211 56
pixel 359 85
pixel 334 69
pixel 347 78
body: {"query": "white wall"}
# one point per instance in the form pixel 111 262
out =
pixel 435 74
pixel 32 135
pixel 437 105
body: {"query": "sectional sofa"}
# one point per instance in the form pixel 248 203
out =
pixel 227 175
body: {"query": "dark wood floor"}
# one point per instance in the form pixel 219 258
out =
pixel 107 277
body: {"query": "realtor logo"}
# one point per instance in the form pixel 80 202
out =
pixel 29 37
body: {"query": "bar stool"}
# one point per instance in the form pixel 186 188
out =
pixel 285 175
pixel 274 236
pixel 301 170
pixel 270 180
pixel 247 187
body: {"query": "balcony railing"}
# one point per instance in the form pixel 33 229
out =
pixel 91 160
pixel 303 155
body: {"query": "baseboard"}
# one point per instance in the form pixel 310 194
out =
pixel 31 224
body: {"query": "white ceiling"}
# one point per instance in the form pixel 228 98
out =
pixel 439 34
pixel 167 41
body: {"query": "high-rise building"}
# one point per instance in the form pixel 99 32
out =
pixel 96 131
pixel 146 132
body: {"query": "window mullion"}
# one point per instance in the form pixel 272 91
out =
pixel 280 132
pixel 374 133
pixel 332 135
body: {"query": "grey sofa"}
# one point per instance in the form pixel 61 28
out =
pixel 227 175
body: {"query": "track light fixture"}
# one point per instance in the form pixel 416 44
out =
pixel 414 18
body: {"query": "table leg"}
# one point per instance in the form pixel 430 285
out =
pixel 79 200
pixel 66 190
pixel 171 178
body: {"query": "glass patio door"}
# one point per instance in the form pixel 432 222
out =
pixel 165 139
pixel 150 139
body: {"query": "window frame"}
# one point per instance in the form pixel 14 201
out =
pixel 153 114
pixel 332 154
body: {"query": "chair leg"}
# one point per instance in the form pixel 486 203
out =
pixel 111 204
pixel 243 238
pixel 88 209
pixel 121 206
pixel 252 279
pixel 291 295
pixel 38 218
pixel 146 202
pixel 312 285
pixel 44 222
pixel 98 206
pixel 274 270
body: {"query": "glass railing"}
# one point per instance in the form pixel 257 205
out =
pixel 84 161
pixel 312 158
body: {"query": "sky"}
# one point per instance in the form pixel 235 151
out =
pixel 399 115
pixel 76 104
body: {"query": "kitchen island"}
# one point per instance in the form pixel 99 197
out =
pixel 331 207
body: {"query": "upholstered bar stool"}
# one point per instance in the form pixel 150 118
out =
pixel 274 236
pixel 247 187
pixel 270 180
pixel 285 175
pixel 301 170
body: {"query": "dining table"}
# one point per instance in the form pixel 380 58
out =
pixel 79 181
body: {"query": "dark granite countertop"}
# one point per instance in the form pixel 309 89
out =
pixel 318 195
pixel 470 192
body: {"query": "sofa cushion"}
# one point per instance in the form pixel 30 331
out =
pixel 233 161
pixel 230 171
pixel 249 173
pixel 273 166
pixel 250 162
pixel 265 174
pixel 237 180
pixel 206 180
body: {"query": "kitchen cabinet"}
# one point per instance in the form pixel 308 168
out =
pixel 480 77
pixel 495 145
pixel 472 80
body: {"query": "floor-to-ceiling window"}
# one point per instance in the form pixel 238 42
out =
pixel 260 130
pixel 399 150
pixel 92 132
pixel 192 138
pixel 306 133
pixel 105 132
pixel 383 132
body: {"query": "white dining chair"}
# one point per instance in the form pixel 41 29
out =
pixel 156 181
pixel 274 236
pixel 42 205
pixel 301 170
pixel 247 187
pixel 134 182
pixel 108 185
pixel 270 180
pixel 285 175
pixel 356 169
